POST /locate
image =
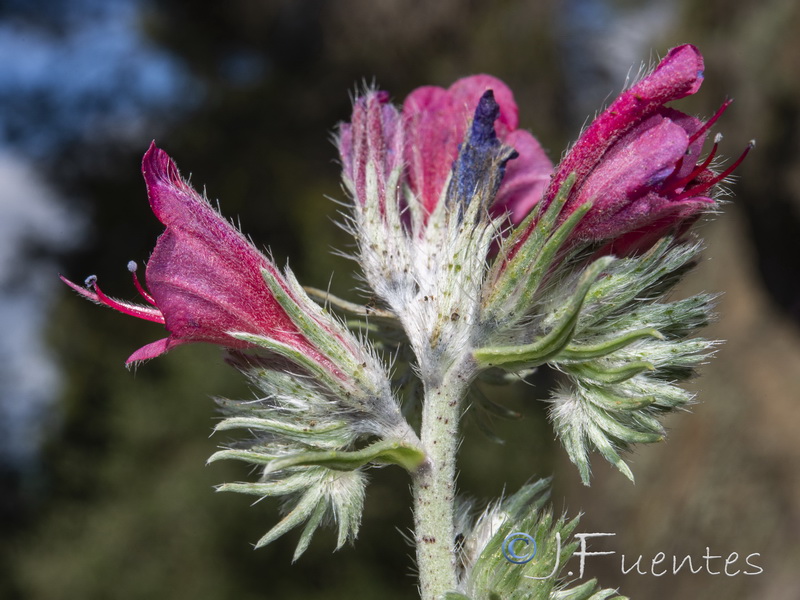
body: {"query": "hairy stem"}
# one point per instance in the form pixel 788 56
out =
pixel 434 486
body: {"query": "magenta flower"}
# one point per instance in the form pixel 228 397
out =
pixel 426 138
pixel 373 141
pixel 436 122
pixel 638 162
pixel 205 278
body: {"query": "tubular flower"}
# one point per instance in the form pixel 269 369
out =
pixel 638 162
pixel 205 279
pixel 426 137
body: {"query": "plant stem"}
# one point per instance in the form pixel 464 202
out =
pixel 434 486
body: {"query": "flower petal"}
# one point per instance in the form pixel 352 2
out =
pixel 151 350
pixel 619 188
pixel 436 123
pixel 204 275
pixel 371 147
pixel 678 75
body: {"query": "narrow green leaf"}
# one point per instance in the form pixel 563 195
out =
pixel 549 345
pixel 588 351
pixel 385 452
pixel 607 400
pixel 297 515
pixel 280 427
pixel 608 375
pixel 608 451
pixel 580 592
pixel 250 456
pixel 311 527
pixel 292 354
pixel 574 444
pixel 553 211
pixel 629 435
pixel 319 336
pixel 541 264
pixel 279 487
pixel 534 243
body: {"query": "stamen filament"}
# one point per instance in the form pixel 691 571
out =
pixel 699 189
pixel 678 183
pixel 133 310
pixel 132 267
pixel 708 124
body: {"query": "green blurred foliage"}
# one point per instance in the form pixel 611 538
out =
pixel 123 506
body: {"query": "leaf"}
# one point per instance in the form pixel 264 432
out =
pixel 383 452
pixel 552 343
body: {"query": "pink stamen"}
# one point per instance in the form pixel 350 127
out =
pixel 679 183
pixel 133 310
pixel 95 294
pixel 702 187
pixel 81 290
pixel 708 124
pixel 132 266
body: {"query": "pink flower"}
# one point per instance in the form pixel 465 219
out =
pixel 436 121
pixel 205 278
pixel 638 161
pixel 371 142
pixel 426 139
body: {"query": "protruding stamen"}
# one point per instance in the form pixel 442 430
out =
pixel 83 291
pixel 132 267
pixel 699 189
pixel 92 292
pixel 133 310
pixel 708 124
pixel 685 180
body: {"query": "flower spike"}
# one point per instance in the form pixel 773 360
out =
pixel 487 263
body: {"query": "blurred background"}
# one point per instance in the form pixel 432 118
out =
pixel 103 488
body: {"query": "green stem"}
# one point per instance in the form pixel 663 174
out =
pixel 434 486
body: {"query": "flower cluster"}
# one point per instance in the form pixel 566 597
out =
pixel 435 185
pixel 423 140
pixel 490 261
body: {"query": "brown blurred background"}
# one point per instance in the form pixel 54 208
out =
pixel 104 489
